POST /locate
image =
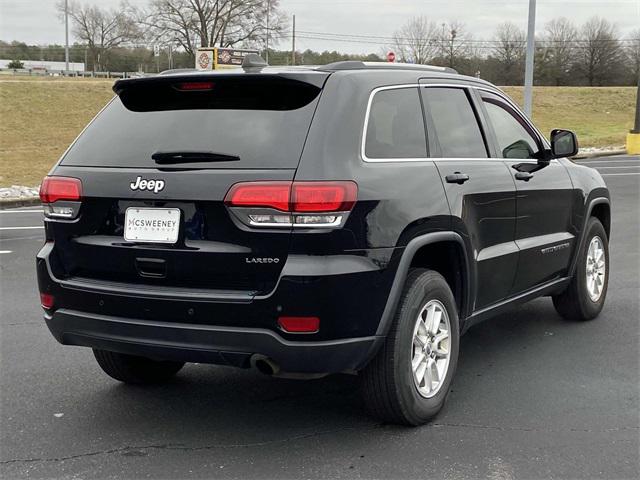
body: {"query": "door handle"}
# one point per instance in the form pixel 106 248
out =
pixel 526 176
pixel 457 177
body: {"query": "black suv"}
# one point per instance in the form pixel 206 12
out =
pixel 351 217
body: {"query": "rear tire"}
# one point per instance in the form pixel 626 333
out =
pixel 395 388
pixel 133 369
pixel 583 299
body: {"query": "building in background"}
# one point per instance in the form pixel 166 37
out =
pixel 44 66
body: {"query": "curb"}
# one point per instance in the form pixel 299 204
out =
pixel 6 203
pixel 606 153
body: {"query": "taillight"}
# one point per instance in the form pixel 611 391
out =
pixel 323 196
pixel 303 204
pixel 260 194
pixel 60 189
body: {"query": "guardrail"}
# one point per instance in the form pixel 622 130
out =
pixel 64 73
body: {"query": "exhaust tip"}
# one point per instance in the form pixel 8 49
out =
pixel 264 365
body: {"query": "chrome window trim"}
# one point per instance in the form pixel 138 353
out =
pixel 495 91
pixel 366 126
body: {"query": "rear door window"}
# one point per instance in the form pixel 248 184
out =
pixel 455 122
pixel 395 125
pixel 262 124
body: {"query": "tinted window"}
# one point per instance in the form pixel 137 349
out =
pixel 455 123
pixel 396 126
pixel 512 133
pixel 229 124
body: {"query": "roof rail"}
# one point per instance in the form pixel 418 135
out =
pixel 359 65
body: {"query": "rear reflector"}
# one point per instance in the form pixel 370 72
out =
pixel 299 197
pixel 60 188
pixel 46 300
pixel 299 324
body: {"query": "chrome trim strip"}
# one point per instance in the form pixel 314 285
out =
pixel 334 224
pixel 366 126
pixel 495 91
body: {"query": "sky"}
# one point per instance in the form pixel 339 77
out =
pixel 36 21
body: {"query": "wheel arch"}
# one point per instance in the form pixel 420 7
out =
pixel 602 211
pixel 599 208
pixel 444 252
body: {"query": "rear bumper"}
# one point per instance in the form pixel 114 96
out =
pixel 347 292
pixel 207 344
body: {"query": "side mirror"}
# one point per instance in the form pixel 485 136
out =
pixel 564 143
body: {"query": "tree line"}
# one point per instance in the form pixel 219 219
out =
pixel 565 54
pixel 121 39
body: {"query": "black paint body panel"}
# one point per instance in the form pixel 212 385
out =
pixel 350 276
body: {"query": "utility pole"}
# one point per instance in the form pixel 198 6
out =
pixel 267 42
pixel 636 124
pixel 454 33
pixel 293 42
pixel 66 35
pixel 633 137
pixel 528 70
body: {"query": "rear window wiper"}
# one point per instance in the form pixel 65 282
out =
pixel 169 158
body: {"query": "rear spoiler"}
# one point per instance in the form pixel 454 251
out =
pixel 312 77
pixel 233 90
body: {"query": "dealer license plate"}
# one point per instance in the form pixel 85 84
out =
pixel 153 225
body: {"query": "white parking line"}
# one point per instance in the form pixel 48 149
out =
pixel 20 228
pixel 599 160
pixel 21 211
pixel 625 166
pixel 5 251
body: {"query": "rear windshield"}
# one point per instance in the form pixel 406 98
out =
pixel 239 125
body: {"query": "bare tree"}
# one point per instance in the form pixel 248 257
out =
pixel 632 50
pixel 207 23
pixel 101 29
pixel 455 43
pixel 509 51
pixel 558 51
pixel 599 52
pixel 416 41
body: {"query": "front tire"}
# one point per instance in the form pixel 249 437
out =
pixel 136 370
pixel 584 297
pixel 408 380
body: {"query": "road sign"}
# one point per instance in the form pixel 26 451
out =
pixel 156 50
pixel 213 58
pixel 391 57
pixel 204 59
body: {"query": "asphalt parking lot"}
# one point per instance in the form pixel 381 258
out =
pixel 534 396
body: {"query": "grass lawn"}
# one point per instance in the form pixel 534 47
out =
pixel 40 117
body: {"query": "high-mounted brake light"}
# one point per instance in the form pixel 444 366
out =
pixel 304 203
pixel 194 86
pixel 60 188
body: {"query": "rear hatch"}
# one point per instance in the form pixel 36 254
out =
pixel 169 148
